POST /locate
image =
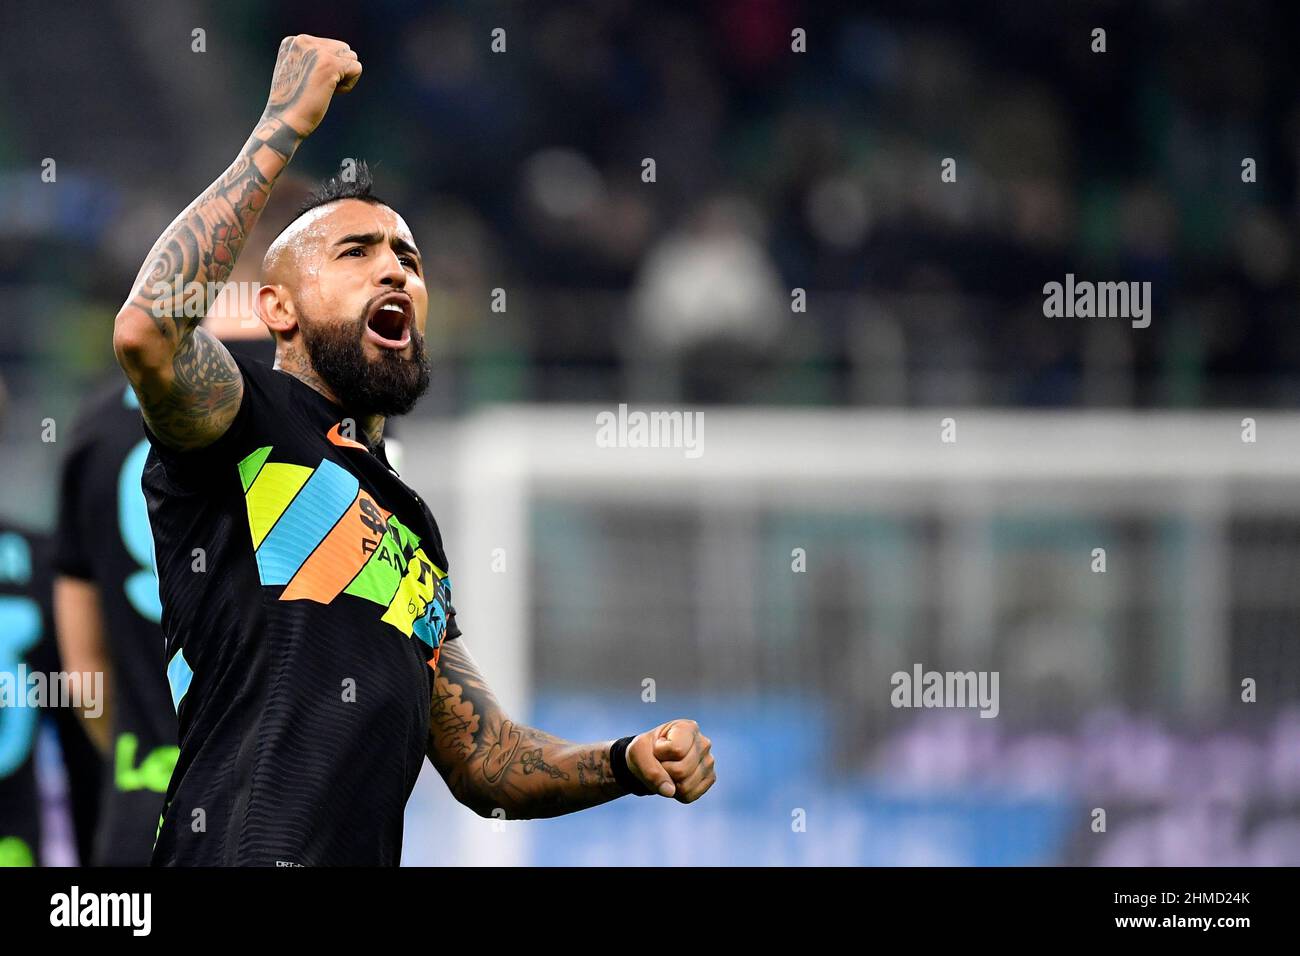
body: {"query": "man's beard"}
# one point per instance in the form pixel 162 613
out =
pixel 389 385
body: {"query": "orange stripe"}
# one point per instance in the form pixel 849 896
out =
pixel 334 436
pixel 337 559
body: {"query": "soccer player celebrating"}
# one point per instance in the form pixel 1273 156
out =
pixel 106 604
pixel 312 646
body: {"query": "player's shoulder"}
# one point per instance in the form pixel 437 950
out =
pixel 170 473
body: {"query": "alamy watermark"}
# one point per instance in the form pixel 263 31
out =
pixel 192 300
pixel 657 429
pixel 1101 300
pixel 81 690
pixel 922 688
pixel 133 911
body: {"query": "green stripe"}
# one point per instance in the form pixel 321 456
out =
pixel 250 466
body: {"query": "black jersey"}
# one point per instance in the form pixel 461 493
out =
pixel 305 598
pixel 104 537
pixel 26 647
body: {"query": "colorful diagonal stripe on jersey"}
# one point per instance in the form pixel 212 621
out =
pixel 305 522
pixel 343 552
pixel 319 534
pixel 179 677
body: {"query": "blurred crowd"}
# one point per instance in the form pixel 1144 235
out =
pixel 774 171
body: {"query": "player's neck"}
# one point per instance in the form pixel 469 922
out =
pixel 371 426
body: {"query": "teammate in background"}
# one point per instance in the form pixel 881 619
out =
pixel 107 610
pixel 24 627
pixel 315 654
pixel 27 646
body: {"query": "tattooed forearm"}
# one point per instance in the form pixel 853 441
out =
pixel 204 241
pixel 594 769
pixel 501 754
pixel 453 721
pixel 491 763
pixel 533 762
pixel 188 385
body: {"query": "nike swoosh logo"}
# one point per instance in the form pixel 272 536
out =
pixel 337 439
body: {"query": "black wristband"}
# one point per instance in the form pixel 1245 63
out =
pixel 623 775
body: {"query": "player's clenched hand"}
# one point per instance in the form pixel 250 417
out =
pixel 308 72
pixel 674 760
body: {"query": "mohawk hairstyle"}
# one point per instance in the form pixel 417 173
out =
pixel 357 185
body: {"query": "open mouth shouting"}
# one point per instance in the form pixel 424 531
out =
pixel 388 323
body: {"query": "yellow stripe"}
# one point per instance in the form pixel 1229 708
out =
pixel 412 597
pixel 271 493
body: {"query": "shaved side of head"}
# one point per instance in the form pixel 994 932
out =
pixel 292 247
pixel 296 245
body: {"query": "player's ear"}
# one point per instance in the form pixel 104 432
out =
pixel 274 307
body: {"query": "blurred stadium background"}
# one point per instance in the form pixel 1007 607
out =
pixel 521 171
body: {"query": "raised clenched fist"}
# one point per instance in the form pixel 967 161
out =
pixel 308 72
pixel 674 760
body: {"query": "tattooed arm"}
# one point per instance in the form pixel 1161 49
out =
pixel 489 762
pixel 188 385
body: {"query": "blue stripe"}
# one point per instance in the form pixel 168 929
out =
pixel 306 522
pixel 179 676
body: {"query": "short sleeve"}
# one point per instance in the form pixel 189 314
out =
pixel 199 468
